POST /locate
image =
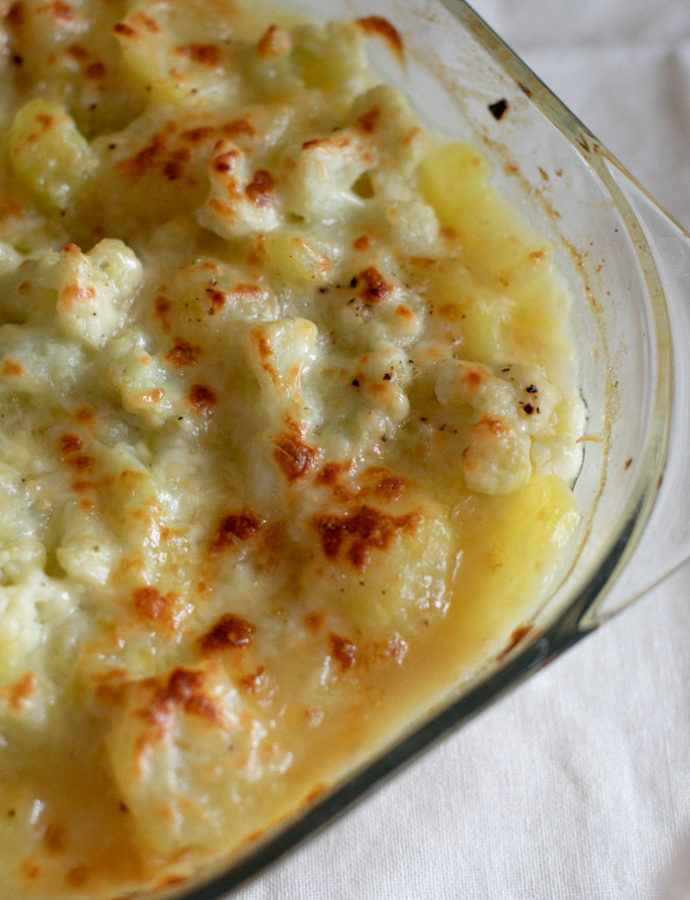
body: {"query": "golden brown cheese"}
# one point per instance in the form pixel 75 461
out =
pixel 288 418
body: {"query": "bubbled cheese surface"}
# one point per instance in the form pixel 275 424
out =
pixel 288 418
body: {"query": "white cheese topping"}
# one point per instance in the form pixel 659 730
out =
pixel 288 419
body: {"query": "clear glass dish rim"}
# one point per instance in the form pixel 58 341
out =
pixel 578 618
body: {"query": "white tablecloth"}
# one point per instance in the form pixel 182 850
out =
pixel 578 784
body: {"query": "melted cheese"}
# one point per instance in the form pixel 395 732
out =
pixel 288 415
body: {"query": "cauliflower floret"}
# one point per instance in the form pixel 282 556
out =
pixel 162 54
pixel 19 557
pixel 96 289
pixel 413 224
pixel 89 293
pixel 331 58
pixel 141 380
pixel 86 550
pixel 385 116
pixel 184 749
pixel 241 202
pixel 272 406
pixel 321 175
pixel 33 363
pixel 270 67
pixel 26 609
pixel 518 424
pixel 365 396
pixel 496 459
pixel 536 397
pixel 381 133
pixel 382 376
pixel 461 382
pixel 381 308
pixel 281 355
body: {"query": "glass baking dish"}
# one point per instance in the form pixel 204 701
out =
pixel 627 262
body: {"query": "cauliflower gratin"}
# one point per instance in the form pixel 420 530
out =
pixel 288 419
